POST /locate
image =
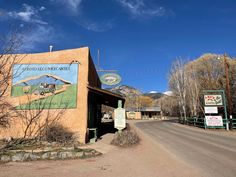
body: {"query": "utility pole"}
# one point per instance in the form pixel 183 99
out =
pixel 98 66
pixel 228 93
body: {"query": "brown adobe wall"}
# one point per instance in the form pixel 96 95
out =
pixel 75 119
pixel 93 77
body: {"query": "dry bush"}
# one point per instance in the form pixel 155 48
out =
pixel 58 133
pixel 125 138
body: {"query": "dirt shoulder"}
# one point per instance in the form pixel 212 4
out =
pixel 147 159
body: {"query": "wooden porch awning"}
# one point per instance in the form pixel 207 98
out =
pixel 106 97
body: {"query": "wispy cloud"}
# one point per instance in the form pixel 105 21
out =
pixel 28 14
pixel 42 8
pixel 139 8
pixel 82 18
pixel 96 26
pixel 34 30
pixel 73 5
pixel 36 36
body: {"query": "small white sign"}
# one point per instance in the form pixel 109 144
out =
pixel 214 121
pixel 209 110
pixel 120 121
pixel 131 114
pixel 213 100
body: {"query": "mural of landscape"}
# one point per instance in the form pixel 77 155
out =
pixel 45 86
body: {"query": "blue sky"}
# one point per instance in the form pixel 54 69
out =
pixel 139 38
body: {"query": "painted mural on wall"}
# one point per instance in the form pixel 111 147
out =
pixel 45 86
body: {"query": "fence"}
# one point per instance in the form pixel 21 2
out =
pixel 233 123
pixel 201 123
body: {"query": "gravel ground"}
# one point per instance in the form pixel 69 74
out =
pixel 147 159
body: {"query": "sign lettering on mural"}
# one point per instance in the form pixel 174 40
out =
pixel 213 100
pixel 48 86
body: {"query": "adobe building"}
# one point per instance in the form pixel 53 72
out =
pixel 143 113
pixel 60 80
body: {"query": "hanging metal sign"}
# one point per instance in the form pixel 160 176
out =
pixel 213 100
pixel 110 79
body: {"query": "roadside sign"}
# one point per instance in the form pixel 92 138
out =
pixel 120 122
pixel 213 100
pixel 214 121
pixel 209 110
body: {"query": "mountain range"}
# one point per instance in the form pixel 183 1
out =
pixel 128 91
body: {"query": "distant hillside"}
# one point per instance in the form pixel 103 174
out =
pixel 49 79
pixel 154 95
pixel 128 91
pixel 125 90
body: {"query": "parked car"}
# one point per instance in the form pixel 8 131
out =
pixel 107 117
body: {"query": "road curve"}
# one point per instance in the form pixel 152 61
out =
pixel 211 153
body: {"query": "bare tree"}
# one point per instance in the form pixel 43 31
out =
pixel 169 105
pixel 37 119
pixel 193 90
pixel 8 58
pixel 178 83
pixel 187 81
pixel 36 116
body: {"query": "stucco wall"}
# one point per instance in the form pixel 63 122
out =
pixel 93 77
pixel 74 118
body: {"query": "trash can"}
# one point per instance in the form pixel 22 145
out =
pixel 92 135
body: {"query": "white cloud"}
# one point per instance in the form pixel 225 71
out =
pixel 140 8
pixel 96 27
pixel 34 31
pixel 40 34
pixel 82 18
pixel 73 5
pixel 42 8
pixel 28 14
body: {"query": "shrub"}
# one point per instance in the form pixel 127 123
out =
pixel 58 133
pixel 125 138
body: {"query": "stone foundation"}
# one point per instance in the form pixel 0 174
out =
pixel 60 154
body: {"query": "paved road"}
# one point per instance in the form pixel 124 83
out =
pixel 210 152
